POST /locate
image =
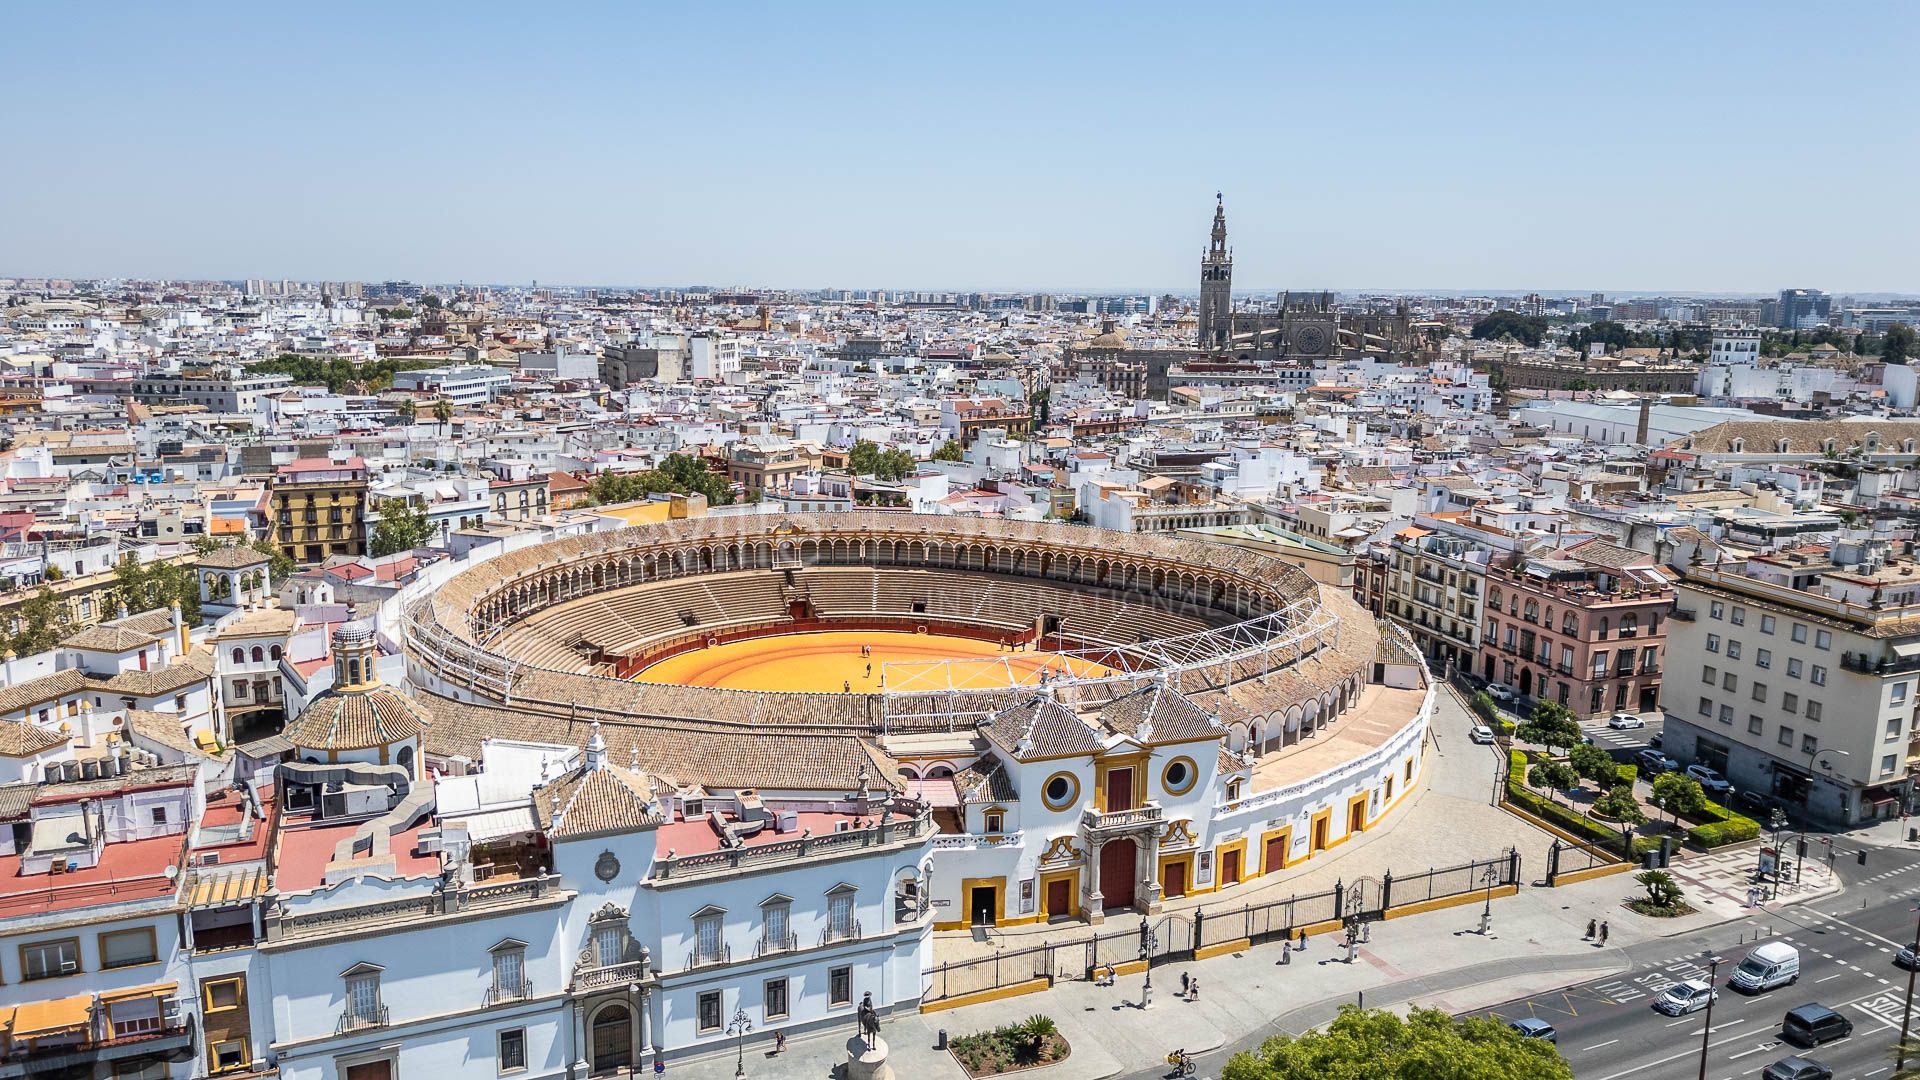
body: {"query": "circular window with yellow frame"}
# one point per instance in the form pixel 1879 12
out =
pixel 1179 776
pixel 1061 791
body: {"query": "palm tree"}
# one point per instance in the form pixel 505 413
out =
pixel 443 412
pixel 1907 1055
pixel 408 409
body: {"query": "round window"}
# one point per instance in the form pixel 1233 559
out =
pixel 1179 776
pixel 1060 791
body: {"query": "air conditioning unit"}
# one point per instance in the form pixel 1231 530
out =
pixel 843 825
pixel 786 821
pixel 428 843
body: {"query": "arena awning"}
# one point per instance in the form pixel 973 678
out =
pixel 497 824
pixel 940 794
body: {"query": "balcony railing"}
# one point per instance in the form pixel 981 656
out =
pixel 353 1019
pixel 590 978
pixel 1683 614
pixel 767 945
pixel 700 958
pixel 497 994
pixel 171 1030
pixel 1869 665
pixel 1097 821
pixel 850 932
pixel 899 830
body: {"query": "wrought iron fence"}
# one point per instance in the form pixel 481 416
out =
pixel 1173 936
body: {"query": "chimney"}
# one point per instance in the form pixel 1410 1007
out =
pixel 1640 432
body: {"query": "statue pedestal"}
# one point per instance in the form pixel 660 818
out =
pixel 865 1064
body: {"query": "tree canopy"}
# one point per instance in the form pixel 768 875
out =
pixel 1593 763
pixel 1897 344
pixel 1374 1044
pixel 681 474
pixel 44 620
pixel 867 459
pixel 951 450
pixel 337 373
pixel 1678 794
pixel 146 586
pixel 403 526
pixel 1526 329
pixel 1551 725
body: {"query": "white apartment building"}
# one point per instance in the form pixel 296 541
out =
pixel 1797 677
pixel 463 385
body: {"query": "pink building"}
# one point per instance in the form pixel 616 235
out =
pixel 1584 626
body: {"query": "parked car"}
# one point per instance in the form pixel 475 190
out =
pixel 1480 733
pixel 1797 1068
pixel 1909 956
pixel 1752 801
pixel 1709 779
pixel 1535 1028
pixel 1501 693
pixel 1654 741
pixel 1684 997
pixel 1653 761
pixel 1813 1024
pixel 1625 720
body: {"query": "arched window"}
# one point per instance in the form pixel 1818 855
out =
pixel 259 654
pixel 274 652
pixel 239 655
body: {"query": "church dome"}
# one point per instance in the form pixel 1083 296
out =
pixel 1114 338
pixel 359 712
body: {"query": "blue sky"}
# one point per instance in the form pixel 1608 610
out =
pixel 1731 147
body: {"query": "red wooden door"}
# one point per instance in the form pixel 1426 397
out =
pixel 1119 791
pixel 1116 873
pixel 1059 898
pixel 1176 883
pixel 1276 856
pixel 1230 867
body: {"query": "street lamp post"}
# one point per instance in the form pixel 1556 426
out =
pixel 1486 913
pixel 1906 1014
pixel 739 1027
pixel 1706 1030
pixel 1147 943
pixel 1813 762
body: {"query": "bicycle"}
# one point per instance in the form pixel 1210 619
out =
pixel 1183 1063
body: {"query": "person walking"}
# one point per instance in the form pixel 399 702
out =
pixel 1193 990
pixel 1593 927
pixel 779 1042
pixel 1603 933
pixel 1185 981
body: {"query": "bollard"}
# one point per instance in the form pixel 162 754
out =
pixel 942 1044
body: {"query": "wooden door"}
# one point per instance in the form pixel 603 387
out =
pixel 1319 834
pixel 1276 854
pixel 1059 898
pixel 1119 790
pixel 1176 880
pixel 1117 873
pixel 1230 867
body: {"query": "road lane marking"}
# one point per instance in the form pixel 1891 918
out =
pixel 1829 978
pixel 1597 1046
pixel 1761 1049
pixel 1728 1024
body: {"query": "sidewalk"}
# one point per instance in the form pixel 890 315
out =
pixel 1718 880
pixel 1436 958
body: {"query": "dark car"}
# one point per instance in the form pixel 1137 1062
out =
pixel 1752 800
pixel 1813 1024
pixel 1535 1028
pixel 1909 956
pixel 1797 1068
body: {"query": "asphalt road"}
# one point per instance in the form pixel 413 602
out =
pixel 1608 1029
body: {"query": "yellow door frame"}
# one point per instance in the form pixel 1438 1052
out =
pixel 1220 862
pixel 1286 848
pixel 1072 878
pixel 967 885
pixel 1320 832
pixel 1360 801
pixel 1183 858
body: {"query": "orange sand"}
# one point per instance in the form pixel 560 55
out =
pixel 829 662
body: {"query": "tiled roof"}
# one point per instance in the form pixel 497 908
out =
pixel 23 738
pixel 984 781
pixel 1040 727
pixel 22 696
pixel 106 638
pixel 1157 713
pixel 595 800
pixel 232 557
pixel 357 720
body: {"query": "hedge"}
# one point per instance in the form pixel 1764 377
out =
pixel 1626 774
pixel 1531 801
pixel 1721 827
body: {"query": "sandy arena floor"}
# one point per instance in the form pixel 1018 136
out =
pixel 831 662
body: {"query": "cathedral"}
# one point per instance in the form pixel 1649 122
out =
pixel 1299 331
pixel 1302 330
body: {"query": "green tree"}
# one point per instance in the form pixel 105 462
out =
pixel 951 450
pixel 1897 344
pixel 443 414
pixel 1552 776
pixel 1592 763
pixel 1678 794
pixel 867 459
pixel 408 409
pixel 1620 805
pixel 1042 405
pixel 205 545
pixel 681 474
pixel 1662 890
pixel 279 563
pixel 404 525
pixel 1526 329
pixel 44 622
pixel 431 302
pixel 1427 1044
pixel 1551 725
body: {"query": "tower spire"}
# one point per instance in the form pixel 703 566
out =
pixel 1218 247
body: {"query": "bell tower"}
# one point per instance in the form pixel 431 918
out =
pixel 1216 284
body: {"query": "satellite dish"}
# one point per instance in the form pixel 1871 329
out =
pixel 172 872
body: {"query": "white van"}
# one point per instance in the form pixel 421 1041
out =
pixel 1767 966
